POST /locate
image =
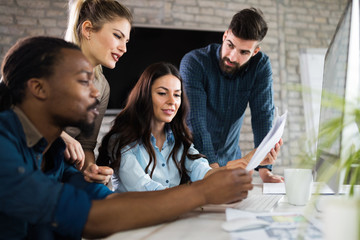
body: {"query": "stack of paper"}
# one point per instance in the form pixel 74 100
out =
pixel 268 142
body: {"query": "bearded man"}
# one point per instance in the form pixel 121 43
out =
pixel 220 81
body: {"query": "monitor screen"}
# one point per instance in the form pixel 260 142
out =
pixel 340 90
pixel 334 80
pixel 148 45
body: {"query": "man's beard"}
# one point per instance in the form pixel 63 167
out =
pixel 88 128
pixel 85 127
pixel 231 70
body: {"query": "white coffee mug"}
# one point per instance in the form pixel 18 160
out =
pixel 298 185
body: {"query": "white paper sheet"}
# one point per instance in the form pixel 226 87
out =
pixel 283 225
pixel 268 142
pixel 279 188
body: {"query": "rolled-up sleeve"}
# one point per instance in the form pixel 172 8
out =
pixel 197 168
pixel 95 191
pixel 72 217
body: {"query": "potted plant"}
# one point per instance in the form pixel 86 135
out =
pixel 337 161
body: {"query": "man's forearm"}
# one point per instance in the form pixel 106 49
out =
pixel 139 209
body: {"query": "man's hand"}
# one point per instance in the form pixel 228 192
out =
pixel 214 165
pixel 98 174
pixel 238 163
pixel 225 186
pixel 74 152
pixel 241 162
pixel 268 177
pixel 272 155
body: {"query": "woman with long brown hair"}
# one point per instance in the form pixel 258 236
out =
pixel 150 145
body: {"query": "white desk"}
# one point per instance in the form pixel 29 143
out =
pixel 195 225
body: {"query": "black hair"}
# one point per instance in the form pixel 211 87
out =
pixel 249 24
pixel 32 57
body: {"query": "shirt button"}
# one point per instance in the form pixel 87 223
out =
pixel 167 181
pixel 38 157
pixel 54 224
pixel 163 164
pixel 21 170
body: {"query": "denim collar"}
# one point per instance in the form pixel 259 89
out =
pixel 32 135
pixel 169 136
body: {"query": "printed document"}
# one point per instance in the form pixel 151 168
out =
pixel 282 225
pixel 268 142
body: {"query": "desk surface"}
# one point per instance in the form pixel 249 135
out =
pixel 196 225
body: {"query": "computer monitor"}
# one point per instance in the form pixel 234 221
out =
pixel 340 94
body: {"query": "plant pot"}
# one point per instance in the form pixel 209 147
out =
pixel 341 218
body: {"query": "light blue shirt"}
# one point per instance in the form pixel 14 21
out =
pixel 132 176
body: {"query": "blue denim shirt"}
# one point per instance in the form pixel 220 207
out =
pixel 132 176
pixel 218 102
pixel 36 204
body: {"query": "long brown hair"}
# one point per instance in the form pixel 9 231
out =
pixel 132 124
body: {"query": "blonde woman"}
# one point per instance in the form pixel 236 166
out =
pixel 102 29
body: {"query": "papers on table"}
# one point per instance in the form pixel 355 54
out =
pixel 285 225
pixel 279 188
pixel 268 142
pixel 317 188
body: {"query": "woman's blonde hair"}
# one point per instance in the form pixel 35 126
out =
pixel 98 12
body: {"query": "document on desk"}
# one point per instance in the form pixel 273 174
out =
pixel 279 188
pixel 268 142
pixel 281 225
